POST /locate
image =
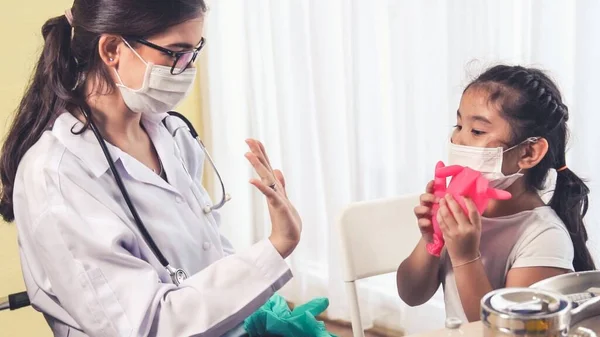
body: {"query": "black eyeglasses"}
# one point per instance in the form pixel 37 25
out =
pixel 181 59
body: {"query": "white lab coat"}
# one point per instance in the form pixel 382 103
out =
pixel 89 270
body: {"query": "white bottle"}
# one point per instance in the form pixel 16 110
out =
pixel 453 325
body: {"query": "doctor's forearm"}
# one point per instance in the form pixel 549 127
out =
pixel 472 283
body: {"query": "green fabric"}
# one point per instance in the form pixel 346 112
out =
pixel 275 318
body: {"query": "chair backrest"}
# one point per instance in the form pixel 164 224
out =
pixel 376 236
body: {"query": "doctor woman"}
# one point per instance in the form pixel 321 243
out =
pixel 116 237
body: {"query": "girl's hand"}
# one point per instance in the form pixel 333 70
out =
pixel 423 213
pixel 462 232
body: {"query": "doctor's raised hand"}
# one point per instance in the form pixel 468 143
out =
pixel 286 224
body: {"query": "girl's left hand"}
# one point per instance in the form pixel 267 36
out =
pixel 462 232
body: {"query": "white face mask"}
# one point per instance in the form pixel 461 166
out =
pixel 160 92
pixel 487 160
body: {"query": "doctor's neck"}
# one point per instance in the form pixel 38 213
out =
pixel 116 122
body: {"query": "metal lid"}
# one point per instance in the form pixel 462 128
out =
pixel 525 311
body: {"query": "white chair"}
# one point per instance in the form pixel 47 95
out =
pixel 376 236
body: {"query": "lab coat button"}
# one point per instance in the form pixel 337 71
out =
pixel 179 199
pixel 206 245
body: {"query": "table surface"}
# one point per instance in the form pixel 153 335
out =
pixel 474 329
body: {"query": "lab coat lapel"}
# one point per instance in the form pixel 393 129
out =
pixel 165 147
pixel 142 173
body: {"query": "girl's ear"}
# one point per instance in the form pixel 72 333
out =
pixel 532 152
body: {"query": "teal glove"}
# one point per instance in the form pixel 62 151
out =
pixel 275 318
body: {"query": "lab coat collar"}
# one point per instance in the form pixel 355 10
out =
pixel 164 146
pixel 85 146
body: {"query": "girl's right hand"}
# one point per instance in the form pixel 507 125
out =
pixel 423 212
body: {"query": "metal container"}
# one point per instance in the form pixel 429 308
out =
pixel 586 315
pixel 525 312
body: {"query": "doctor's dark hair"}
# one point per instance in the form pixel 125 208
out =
pixel 69 57
pixel 533 105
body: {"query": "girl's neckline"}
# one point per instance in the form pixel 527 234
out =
pixel 519 214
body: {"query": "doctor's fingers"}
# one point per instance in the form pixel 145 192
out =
pixel 279 176
pixel 259 150
pixel 264 152
pixel 273 197
pixel 265 174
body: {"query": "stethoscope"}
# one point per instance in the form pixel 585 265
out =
pixel 177 275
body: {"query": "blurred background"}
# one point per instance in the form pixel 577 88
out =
pixel 354 100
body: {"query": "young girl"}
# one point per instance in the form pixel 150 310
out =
pixel 511 119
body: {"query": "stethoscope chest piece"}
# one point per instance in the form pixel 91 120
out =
pixel 209 208
pixel 177 275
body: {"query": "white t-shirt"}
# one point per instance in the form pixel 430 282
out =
pixel 535 238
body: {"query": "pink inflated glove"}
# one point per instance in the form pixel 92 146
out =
pixel 465 183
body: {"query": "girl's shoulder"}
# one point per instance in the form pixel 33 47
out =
pixel 544 241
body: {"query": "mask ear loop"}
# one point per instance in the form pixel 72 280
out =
pixel 529 140
pixel 535 139
pixel 120 83
pixel 135 52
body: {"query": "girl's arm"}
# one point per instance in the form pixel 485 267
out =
pixel 472 284
pixel 462 234
pixel 548 253
pixel 417 277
